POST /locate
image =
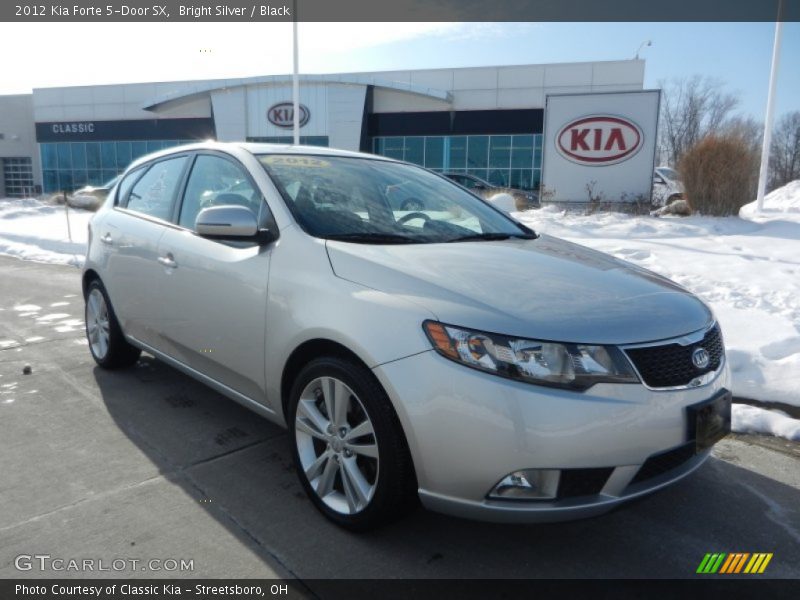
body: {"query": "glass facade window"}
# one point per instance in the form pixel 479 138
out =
pixel 504 160
pixel 434 152
pixel 18 177
pixel 67 166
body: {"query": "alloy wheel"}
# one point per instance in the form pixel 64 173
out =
pixel 337 446
pixel 97 323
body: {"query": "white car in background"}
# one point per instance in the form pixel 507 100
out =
pixel 667 186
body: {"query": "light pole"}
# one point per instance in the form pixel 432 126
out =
pixel 647 43
pixel 763 172
pixel 295 80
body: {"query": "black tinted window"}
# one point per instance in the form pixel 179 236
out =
pixel 153 194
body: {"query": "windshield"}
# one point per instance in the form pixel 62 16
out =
pixel 381 202
pixel 668 173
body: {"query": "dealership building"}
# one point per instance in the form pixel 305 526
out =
pixel 486 121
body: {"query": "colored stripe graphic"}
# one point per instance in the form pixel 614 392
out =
pixel 764 564
pixel 727 564
pixel 711 563
pixel 734 563
pixel 740 564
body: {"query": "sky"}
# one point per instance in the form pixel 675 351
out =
pixel 736 54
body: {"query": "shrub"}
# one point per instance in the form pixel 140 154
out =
pixel 720 174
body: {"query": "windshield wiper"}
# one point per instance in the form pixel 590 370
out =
pixel 372 238
pixel 493 236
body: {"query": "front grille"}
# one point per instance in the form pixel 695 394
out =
pixel 664 462
pixel 582 482
pixel 671 365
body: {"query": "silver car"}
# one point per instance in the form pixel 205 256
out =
pixel 449 355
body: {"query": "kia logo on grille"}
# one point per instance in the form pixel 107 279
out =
pixel 700 358
pixel 599 140
pixel 282 115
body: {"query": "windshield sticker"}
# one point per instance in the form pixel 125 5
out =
pixel 296 161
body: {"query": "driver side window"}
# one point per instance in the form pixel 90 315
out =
pixel 216 181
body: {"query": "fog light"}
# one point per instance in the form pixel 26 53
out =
pixel 529 484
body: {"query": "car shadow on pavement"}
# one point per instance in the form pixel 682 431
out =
pixel 238 466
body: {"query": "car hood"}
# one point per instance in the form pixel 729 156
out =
pixel 544 288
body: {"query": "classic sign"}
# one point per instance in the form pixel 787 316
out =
pixel 599 140
pixel 59 128
pixel 282 115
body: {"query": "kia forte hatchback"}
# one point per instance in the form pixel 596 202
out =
pixel 446 354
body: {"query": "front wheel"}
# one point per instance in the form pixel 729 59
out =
pixel 349 449
pixel 107 344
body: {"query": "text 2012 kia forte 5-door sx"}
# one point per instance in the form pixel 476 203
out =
pixel 446 353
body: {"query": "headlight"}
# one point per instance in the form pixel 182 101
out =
pixel 574 366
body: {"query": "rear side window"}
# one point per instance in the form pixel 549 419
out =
pixel 154 192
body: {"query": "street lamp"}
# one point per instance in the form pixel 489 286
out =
pixel 646 43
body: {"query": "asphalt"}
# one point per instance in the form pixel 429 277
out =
pixel 148 464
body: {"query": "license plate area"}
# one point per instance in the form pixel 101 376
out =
pixel 709 421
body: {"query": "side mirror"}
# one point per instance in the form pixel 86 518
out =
pixel 226 222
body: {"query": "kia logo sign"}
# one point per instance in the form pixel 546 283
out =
pixel 282 115
pixel 599 140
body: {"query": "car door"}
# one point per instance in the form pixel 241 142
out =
pixel 216 290
pixel 130 234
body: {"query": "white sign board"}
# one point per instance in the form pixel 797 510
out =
pixel 599 146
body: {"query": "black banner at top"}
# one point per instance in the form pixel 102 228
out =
pixel 399 10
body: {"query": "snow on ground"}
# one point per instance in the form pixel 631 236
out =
pixel 35 230
pixel 751 419
pixel 747 269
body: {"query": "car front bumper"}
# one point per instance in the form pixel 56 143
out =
pixel 467 430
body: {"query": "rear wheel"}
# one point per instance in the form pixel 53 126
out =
pixel 107 344
pixel 351 455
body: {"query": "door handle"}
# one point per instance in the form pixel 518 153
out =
pixel 168 261
pixel 106 239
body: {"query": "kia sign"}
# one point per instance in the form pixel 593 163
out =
pixel 599 147
pixel 599 140
pixel 282 115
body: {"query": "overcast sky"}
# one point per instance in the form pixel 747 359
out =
pixel 55 54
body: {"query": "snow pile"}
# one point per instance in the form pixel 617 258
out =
pixel 34 230
pixel 785 199
pixel 751 419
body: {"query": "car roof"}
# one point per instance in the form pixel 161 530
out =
pixel 256 148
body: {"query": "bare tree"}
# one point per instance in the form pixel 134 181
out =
pixel 784 159
pixel 690 110
pixel 747 129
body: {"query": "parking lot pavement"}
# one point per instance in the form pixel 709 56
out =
pixel 147 464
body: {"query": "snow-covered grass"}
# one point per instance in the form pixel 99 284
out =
pixel 752 419
pixel 34 230
pixel 747 269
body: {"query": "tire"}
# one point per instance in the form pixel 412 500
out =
pixel 107 344
pixel 327 467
